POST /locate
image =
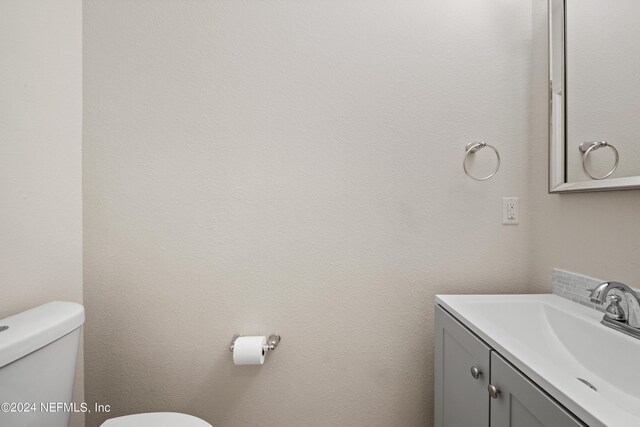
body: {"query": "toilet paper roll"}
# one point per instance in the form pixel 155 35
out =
pixel 249 350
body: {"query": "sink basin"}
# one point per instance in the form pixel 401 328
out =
pixel 561 345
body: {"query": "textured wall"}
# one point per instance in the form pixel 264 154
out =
pixel 40 155
pixel 294 166
pixel 596 234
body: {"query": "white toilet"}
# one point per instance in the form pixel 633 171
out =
pixel 156 419
pixel 38 355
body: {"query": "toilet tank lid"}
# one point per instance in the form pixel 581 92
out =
pixel 35 328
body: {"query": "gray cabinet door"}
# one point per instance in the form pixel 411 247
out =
pixel 460 399
pixel 521 403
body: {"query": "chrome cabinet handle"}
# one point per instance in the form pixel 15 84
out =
pixel 475 372
pixel 493 391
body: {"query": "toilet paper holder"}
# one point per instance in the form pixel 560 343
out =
pixel 272 342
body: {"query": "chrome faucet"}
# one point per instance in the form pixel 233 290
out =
pixel 615 316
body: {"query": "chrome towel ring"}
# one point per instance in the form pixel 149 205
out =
pixel 472 148
pixel 587 147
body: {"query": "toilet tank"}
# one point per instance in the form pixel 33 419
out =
pixel 38 355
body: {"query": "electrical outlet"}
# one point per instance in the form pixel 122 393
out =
pixel 510 210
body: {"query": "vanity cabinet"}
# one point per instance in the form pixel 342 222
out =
pixel 476 386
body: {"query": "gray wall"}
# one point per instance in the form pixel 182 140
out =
pixel 294 166
pixel 40 156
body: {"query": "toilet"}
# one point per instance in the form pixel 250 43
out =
pixel 38 355
pixel 156 419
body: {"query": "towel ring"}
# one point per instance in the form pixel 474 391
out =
pixel 587 147
pixel 472 148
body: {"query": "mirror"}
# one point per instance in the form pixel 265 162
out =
pixel 594 78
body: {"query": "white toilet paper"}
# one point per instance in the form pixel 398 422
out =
pixel 249 350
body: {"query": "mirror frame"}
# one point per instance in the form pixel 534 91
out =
pixel 558 114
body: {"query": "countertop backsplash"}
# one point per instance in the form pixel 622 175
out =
pixel 575 286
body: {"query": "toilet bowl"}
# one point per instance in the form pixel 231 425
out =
pixel 38 354
pixel 156 419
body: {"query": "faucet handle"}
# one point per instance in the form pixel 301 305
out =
pixel 614 311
